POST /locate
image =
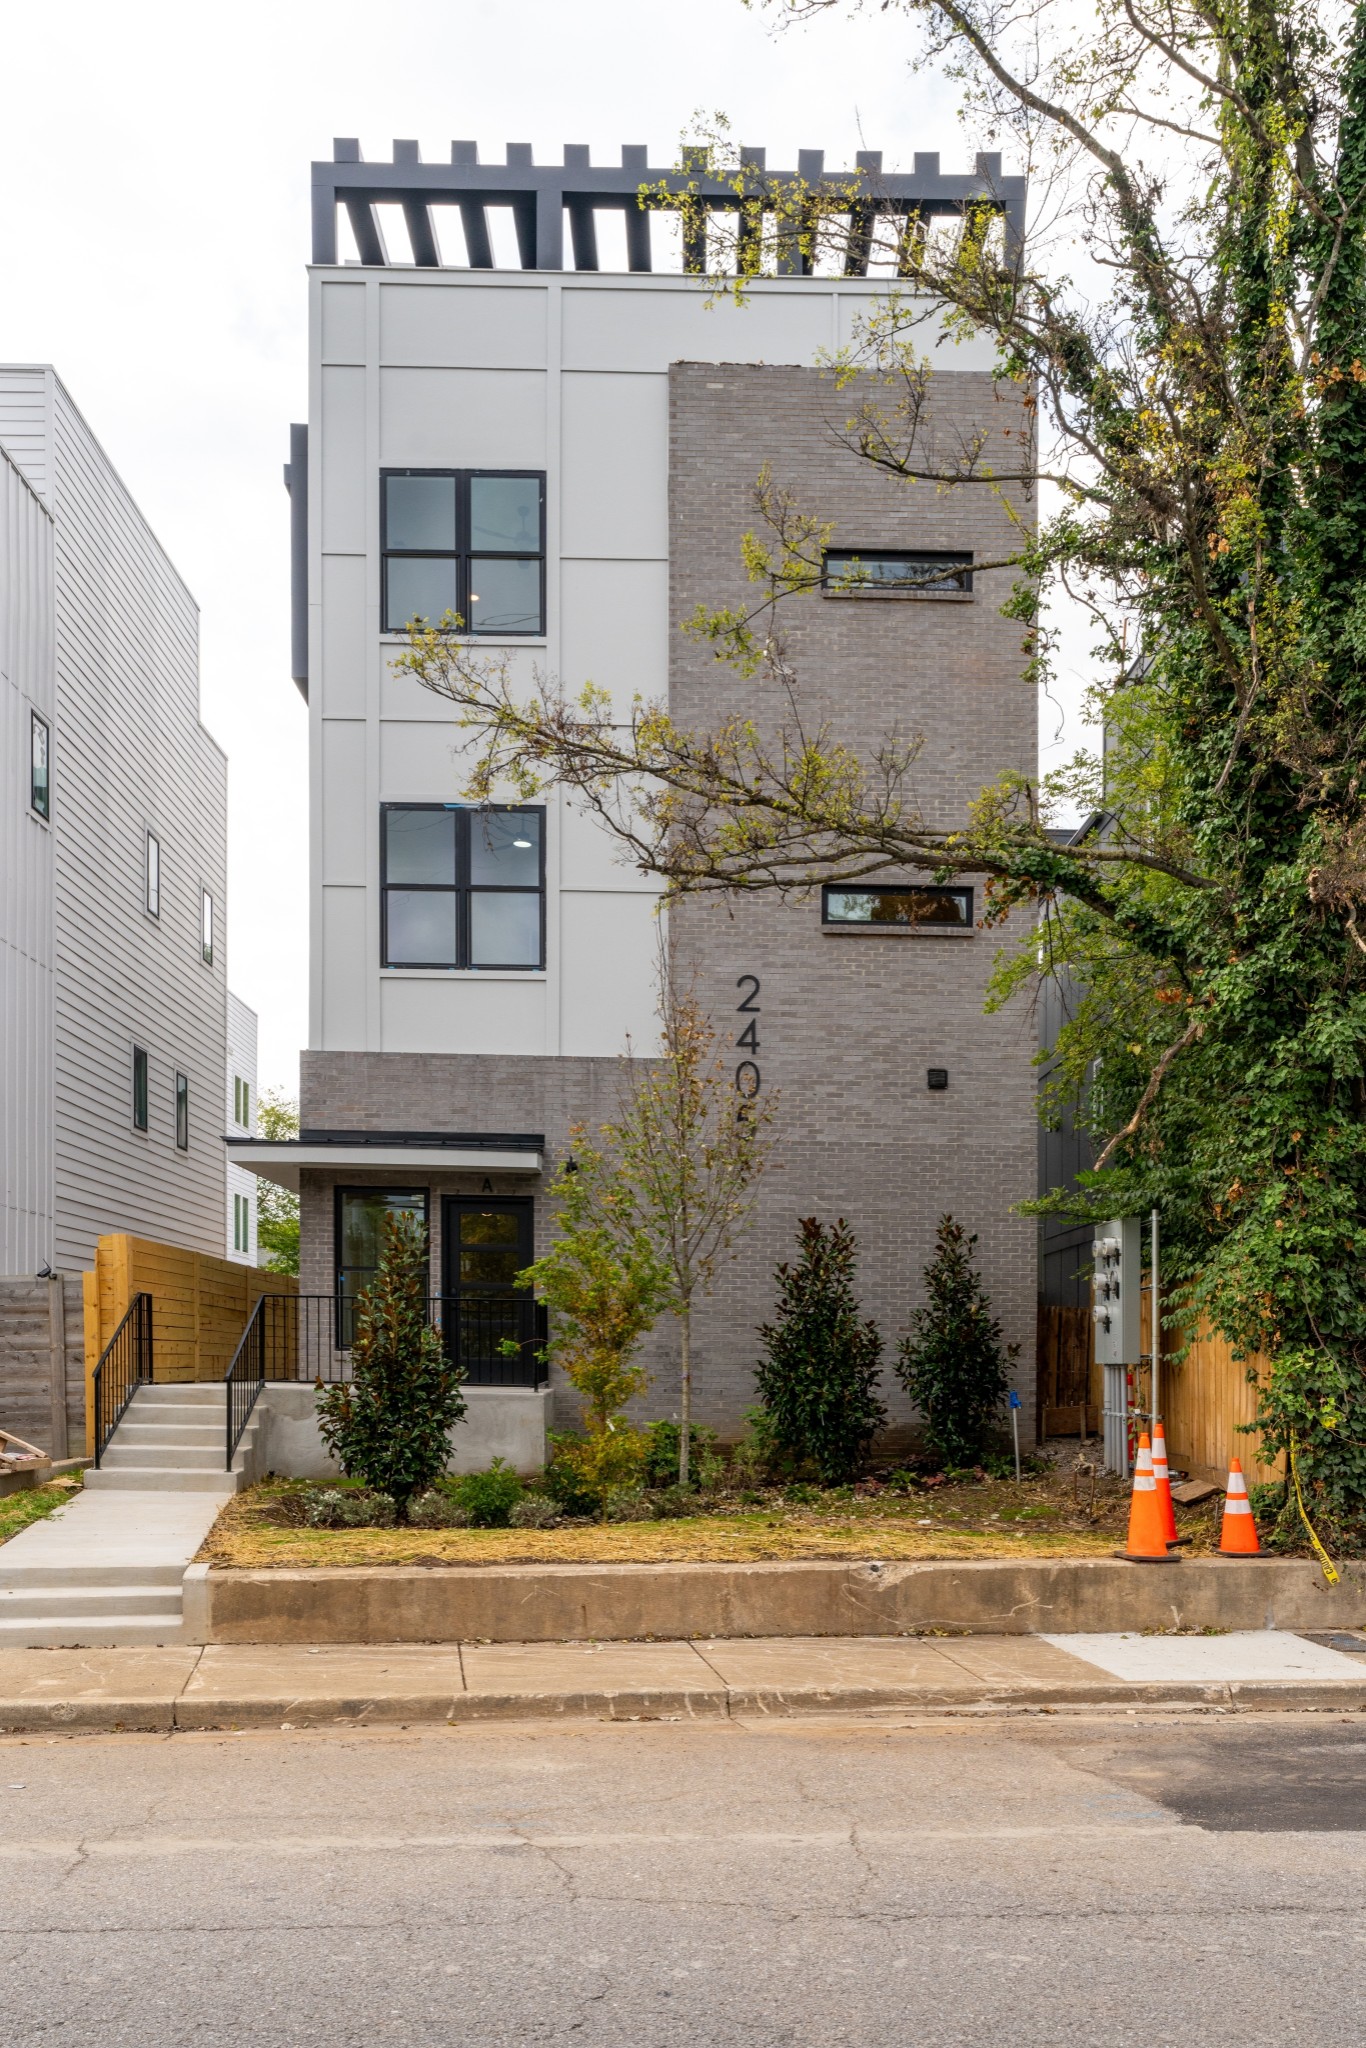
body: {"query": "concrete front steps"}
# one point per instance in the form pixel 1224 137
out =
pixel 172 1440
pixel 115 1607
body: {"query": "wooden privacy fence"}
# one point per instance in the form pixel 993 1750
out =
pixel 1204 1398
pixel 200 1306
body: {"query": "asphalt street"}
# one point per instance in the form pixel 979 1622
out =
pixel 1144 1879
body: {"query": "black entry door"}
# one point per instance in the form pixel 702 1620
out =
pixel 485 1243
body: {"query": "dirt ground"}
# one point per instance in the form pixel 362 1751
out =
pixel 1056 1513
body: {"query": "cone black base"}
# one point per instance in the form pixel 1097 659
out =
pixel 1141 1557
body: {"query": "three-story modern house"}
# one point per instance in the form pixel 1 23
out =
pixel 566 455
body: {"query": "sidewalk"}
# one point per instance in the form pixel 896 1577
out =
pixel 232 1686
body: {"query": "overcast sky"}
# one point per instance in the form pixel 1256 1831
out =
pixel 154 161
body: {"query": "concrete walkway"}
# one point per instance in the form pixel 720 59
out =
pixel 105 1569
pixel 232 1686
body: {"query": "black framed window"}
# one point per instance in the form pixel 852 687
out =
pixel 152 876
pixel 206 927
pixel 182 1113
pixel 140 1089
pixel 462 886
pixel 467 541
pixel 903 906
pixel 896 572
pixel 40 767
pixel 361 1216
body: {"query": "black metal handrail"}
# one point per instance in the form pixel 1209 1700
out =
pixel 500 1341
pixel 244 1378
pixel 125 1364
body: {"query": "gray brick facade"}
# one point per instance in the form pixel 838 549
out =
pixel 848 1023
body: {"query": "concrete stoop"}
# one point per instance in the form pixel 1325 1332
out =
pixel 171 1440
pixel 106 1571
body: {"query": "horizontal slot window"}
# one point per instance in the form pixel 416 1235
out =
pixel 890 572
pixel 907 907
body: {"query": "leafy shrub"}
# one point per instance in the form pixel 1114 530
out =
pixel 390 1423
pixel 584 1470
pixel 955 1365
pixel 348 1507
pixel 670 1502
pixel 799 1495
pixel 628 1504
pixel 488 1498
pixel 534 1511
pixel 439 1508
pixel 662 1441
pixel 818 1378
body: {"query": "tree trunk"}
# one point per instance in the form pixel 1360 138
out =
pixel 684 1395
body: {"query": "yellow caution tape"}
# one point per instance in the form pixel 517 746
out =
pixel 1328 1571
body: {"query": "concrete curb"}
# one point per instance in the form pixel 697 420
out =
pixel 183 1711
pixel 846 1598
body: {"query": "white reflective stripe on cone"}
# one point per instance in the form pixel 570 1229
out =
pixel 1234 1506
pixel 1144 1483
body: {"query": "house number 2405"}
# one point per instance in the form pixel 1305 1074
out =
pixel 747 1073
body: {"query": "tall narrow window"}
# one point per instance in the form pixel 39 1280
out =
pixel 241 1223
pixel 39 778
pixel 206 927
pixel 463 887
pixel 182 1113
pixel 362 1214
pixel 140 1090
pixel 153 876
pixel 471 542
pixel 241 1102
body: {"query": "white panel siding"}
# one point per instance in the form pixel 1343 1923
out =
pixel 647 327
pixel 614 628
pixel 341 514
pixel 424 324
pixel 607 946
pixel 463 1013
pixel 344 821
pixel 345 956
pixel 614 476
pixel 345 639
pixel 343 323
pixel 462 419
pixel 27 939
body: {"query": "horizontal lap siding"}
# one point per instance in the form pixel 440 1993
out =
pixel 27 948
pixel 133 756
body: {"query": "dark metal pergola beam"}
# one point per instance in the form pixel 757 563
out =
pixel 541 194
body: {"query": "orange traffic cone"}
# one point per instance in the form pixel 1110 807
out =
pixel 1164 1484
pixel 1238 1536
pixel 1147 1528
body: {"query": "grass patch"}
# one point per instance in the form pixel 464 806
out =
pixel 976 1519
pixel 18 1510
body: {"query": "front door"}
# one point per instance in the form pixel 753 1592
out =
pixel 486 1241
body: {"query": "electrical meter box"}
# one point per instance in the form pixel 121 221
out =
pixel 1116 1290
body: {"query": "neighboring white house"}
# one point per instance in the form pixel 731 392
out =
pixel 113 861
pixel 241 1123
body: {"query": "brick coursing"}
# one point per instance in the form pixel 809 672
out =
pixel 848 1023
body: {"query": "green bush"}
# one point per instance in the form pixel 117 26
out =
pixel 348 1507
pixel 662 1441
pixel 534 1511
pixel 818 1378
pixel 438 1509
pixel 390 1424
pixel 955 1365
pixel 488 1498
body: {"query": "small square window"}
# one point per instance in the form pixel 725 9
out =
pixel 182 1113
pixel 206 927
pixel 152 897
pixel 467 542
pixel 896 572
pixel 462 887
pixel 140 1089
pixel 39 781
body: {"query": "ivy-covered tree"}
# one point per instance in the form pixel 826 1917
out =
pixel 390 1424
pixel 818 1376
pixel 1181 352
pixel 955 1364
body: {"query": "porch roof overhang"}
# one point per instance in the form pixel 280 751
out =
pixel 283 1159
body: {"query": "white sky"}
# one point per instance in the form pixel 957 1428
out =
pixel 155 165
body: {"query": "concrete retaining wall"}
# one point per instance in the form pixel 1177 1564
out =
pixel 565 1603
pixel 500 1422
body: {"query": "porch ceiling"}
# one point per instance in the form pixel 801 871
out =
pixel 282 1160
